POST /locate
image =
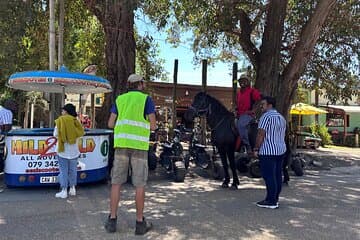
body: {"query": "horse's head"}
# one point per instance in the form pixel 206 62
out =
pixel 199 106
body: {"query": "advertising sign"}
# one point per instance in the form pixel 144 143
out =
pixel 37 154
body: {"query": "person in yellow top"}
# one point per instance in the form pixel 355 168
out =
pixel 68 130
pixel 132 117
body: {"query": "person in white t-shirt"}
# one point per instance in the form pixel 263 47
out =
pixel 6 120
pixel 6 115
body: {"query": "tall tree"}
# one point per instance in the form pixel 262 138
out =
pixel 148 62
pixel 24 41
pixel 277 36
pixel 334 65
pixel 117 19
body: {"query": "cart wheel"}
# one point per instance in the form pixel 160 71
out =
pixel 218 171
pixel 179 171
pixel 241 165
pixel 297 167
pixel 254 169
pixel 203 160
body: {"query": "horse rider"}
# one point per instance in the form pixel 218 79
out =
pixel 246 99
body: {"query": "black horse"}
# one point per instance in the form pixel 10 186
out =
pixel 223 134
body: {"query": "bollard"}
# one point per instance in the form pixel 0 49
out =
pixel 357 140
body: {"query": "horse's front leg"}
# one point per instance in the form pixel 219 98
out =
pixel 222 154
pixel 236 182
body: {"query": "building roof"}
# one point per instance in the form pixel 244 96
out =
pixel 347 109
pixel 162 93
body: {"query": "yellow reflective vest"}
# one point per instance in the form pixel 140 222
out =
pixel 131 129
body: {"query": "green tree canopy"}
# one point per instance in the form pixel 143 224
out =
pixel 24 42
pixel 283 40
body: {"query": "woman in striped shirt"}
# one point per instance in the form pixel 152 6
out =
pixel 270 147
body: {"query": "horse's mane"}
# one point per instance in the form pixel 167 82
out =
pixel 216 104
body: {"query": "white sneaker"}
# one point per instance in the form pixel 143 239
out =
pixel 61 194
pixel 72 191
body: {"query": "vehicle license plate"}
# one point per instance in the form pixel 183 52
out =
pixel 49 179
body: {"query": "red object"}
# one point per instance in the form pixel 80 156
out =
pixel 85 121
pixel 238 143
pixel 31 178
pixel 243 100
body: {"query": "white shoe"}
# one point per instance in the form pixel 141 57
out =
pixel 61 194
pixel 72 191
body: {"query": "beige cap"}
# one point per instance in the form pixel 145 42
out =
pixel 244 75
pixel 135 78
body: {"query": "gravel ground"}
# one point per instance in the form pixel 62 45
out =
pixel 330 157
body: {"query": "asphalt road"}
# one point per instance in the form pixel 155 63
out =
pixel 319 205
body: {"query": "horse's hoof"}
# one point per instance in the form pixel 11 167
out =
pixel 225 185
pixel 234 187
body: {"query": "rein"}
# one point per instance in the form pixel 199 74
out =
pixel 207 112
pixel 218 124
pixel 200 111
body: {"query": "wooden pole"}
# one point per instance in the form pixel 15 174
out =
pixel 26 116
pixel 317 93
pixel 52 57
pixel 174 117
pixel 61 34
pixel 204 75
pixel 92 111
pixel 204 83
pixel 32 115
pixel 345 125
pixel 60 98
pixel 234 86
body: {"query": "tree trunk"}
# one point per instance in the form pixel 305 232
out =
pixel 117 18
pixel 302 54
pixel 269 79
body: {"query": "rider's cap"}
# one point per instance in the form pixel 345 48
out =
pixel 135 78
pixel 244 76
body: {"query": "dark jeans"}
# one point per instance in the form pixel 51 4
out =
pixel 271 171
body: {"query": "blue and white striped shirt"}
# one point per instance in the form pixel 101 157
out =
pixel 274 125
pixel 6 116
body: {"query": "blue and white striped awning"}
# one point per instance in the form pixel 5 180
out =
pixel 59 82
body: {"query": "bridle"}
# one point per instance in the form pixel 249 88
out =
pixel 205 111
pixel 201 111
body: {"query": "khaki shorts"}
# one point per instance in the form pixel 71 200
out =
pixel 130 161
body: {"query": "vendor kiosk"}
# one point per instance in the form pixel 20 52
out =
pixel 30 157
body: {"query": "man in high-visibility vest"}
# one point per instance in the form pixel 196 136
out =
pixel 132 117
